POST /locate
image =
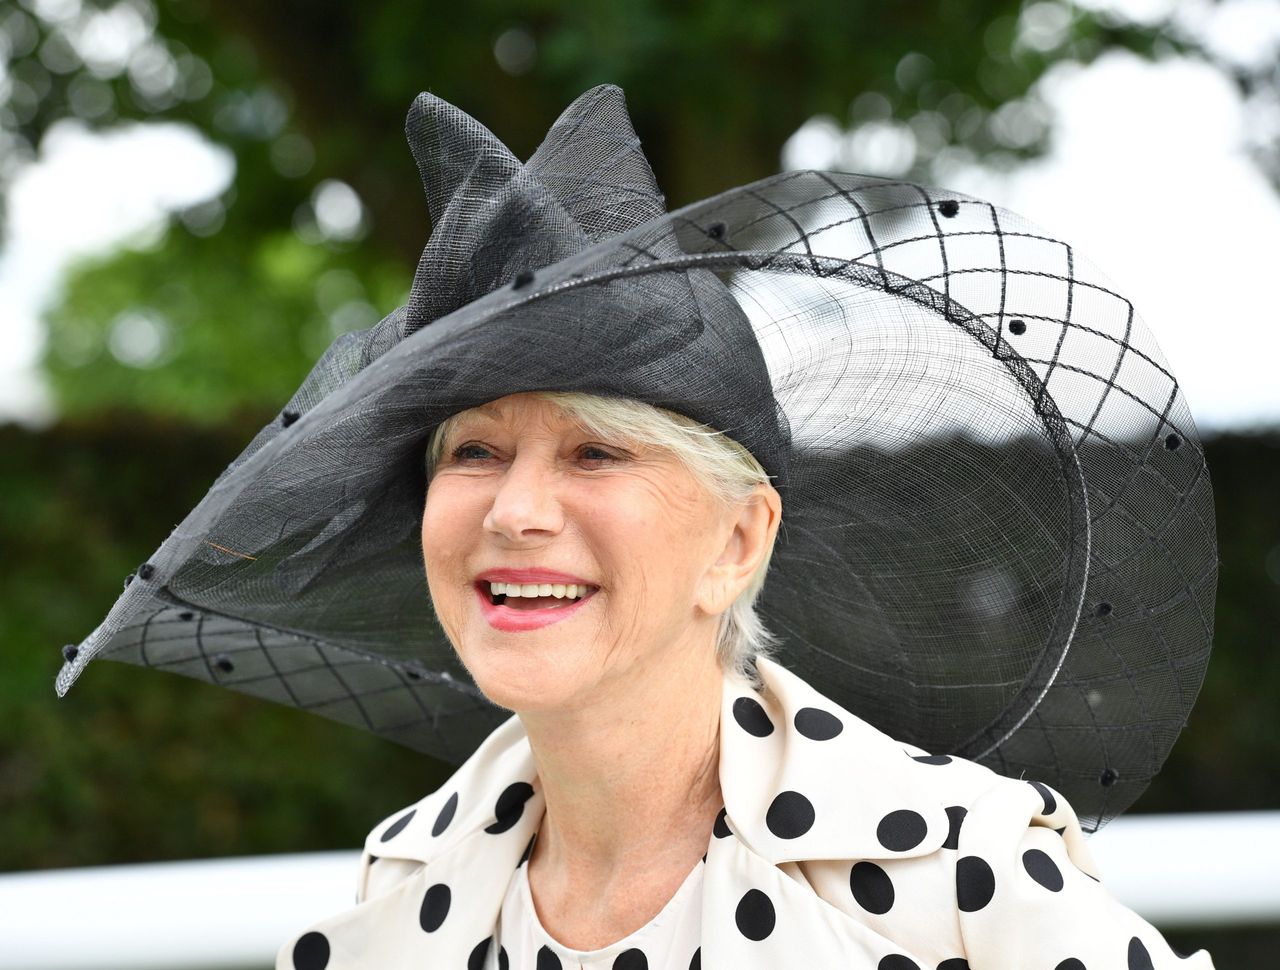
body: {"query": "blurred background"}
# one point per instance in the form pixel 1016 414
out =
pixel 196 197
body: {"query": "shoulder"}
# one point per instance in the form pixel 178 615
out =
pixel 495 792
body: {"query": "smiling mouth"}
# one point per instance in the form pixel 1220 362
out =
pixel 540 597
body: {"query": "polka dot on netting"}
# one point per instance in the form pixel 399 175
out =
pixel 932 759
pixel 975 883
pixel 1050 803
pixel 311 952
pixel 1172 442
pixel 510 807
pixel 751 717
pixel 633 959
pixel 721 829
pixel 446 815
pixel 817 724
pixel 1139 958
pixel 871 887
pixel 955 963
pixel 696 962
pixel 1070 963
pixel 790 815
pixel 1017 327
pixel 476 960
pixel 547 960
pixel 755 915
pixel 435 907
pixel 522 279
pixel 896 961
pixel 1108 777
pixel 949 207
pixel 901 830
pixel 1042 869
pixel 396 827
pixel 955 818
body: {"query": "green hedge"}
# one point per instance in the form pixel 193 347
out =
pixel 139 765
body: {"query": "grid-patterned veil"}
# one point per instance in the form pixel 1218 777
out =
pixel 997 533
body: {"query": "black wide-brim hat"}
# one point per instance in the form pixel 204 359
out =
pixel 997 536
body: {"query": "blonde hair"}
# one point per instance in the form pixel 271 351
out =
pixel 726 470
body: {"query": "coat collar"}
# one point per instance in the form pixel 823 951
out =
pixel 802 779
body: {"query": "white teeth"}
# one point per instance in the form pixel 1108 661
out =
pixel 558 590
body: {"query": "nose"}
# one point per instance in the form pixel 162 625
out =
pixel 525 505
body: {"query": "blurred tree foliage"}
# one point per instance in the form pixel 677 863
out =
pixel 229 310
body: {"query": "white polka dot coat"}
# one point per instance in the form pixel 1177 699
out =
pixel 837 847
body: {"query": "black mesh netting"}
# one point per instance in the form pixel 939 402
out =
pixel 997 531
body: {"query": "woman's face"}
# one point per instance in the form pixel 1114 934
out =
pixel 521 490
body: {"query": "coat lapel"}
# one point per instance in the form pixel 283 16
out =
pixel 802 779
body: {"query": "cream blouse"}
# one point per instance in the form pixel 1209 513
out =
pixel 670 939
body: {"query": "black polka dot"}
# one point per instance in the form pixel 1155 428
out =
pixel 1070 963
pixel 975 883
pixel 751 717
pixel 435 907
pixel 901 830
pixel 396 827
pixel 755 916
pixel 1017 327
pixel 896 961
pixel 503 961
pixel 696 962
pixel 816 724
pixel 1042 869
pixel 476 960
pixel 721 829
pixel 1050 803
pixel 871 887
pixel 446 815
pixel 932 759
pixel 790 815
pixel 633 959
pixel 948 207
pixel 955 818
pixel 311 952
pixel 548 960
pixel 955 963
pixel 1139 958
pixel 510 807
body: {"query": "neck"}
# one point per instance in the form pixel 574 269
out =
pixel 631 778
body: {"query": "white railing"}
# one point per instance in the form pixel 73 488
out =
pixel 1176 870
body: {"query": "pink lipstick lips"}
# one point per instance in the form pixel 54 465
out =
pixel 512 620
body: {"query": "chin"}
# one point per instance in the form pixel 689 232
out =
pixel 519 681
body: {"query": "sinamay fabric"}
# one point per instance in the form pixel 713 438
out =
pixel 837 847
pixel 997 534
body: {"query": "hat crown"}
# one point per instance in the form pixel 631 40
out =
pixel 494 217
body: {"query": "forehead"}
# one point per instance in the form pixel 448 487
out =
pixel 513 409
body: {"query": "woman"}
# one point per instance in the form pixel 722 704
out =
pixel 998 545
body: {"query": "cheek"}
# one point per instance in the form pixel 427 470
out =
pixel 446 524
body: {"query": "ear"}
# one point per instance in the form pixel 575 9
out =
pixel 747 543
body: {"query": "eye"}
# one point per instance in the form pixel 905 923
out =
pixel 596 453
pixel 467 452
